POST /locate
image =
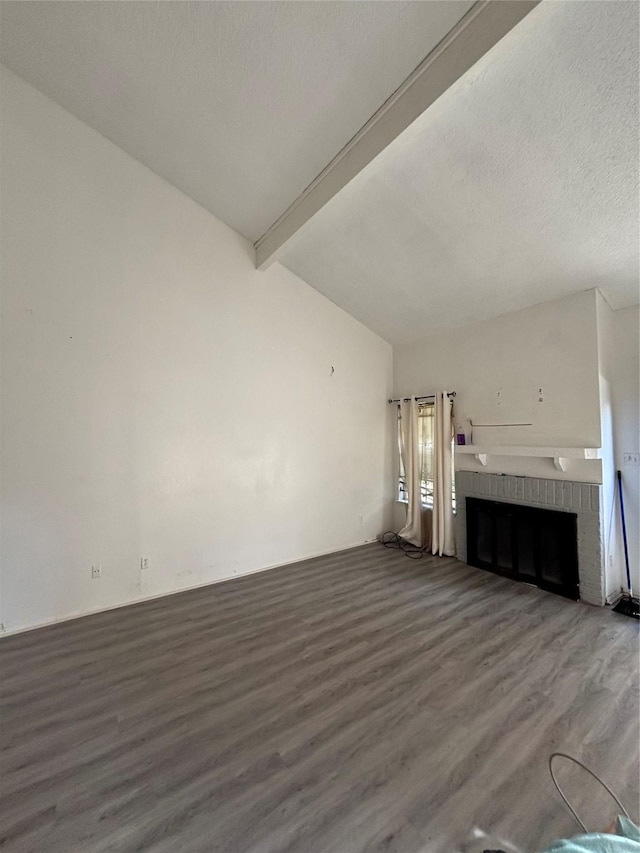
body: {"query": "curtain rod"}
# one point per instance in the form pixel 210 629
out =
pixel 422 397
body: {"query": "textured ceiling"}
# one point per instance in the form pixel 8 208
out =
pixel 519 185
pixel 238 104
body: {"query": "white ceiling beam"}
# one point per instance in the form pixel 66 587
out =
pixel 474 35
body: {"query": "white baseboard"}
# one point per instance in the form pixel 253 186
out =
pixel 92 611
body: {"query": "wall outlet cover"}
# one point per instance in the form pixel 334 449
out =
pixel 631 458
pixel 96 571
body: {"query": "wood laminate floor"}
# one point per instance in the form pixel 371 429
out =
pixel 356 702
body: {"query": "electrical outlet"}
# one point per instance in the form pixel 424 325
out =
pixel 96 571
pixel 610 561
pixel 361 519
pixel 631 458
pixel 144 563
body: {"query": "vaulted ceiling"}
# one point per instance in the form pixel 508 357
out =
pixel 238 104
pixel 519 184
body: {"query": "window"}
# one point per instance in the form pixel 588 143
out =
pixel 425 439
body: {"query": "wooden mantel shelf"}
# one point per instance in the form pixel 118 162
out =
pixel 560 455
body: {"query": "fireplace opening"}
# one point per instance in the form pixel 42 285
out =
pixel 538 546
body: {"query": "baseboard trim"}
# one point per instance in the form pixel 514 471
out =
pixel 10 632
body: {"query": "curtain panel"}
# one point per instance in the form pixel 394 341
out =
pixel 425 433
pixel 410 449
pixel 442 534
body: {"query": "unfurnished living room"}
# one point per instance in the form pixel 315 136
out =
pixel 320 426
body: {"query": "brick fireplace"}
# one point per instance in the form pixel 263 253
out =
pixel 583 499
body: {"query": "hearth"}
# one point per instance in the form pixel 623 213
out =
pixel 538 546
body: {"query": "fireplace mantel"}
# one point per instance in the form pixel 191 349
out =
pixel 560 455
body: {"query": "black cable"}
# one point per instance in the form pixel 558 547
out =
pixel 392 540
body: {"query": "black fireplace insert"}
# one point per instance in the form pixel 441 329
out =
pixel 538 546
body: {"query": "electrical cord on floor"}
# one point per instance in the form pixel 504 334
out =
pixel 591 773
pixel 392 540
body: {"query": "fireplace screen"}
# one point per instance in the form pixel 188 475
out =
pixel 538 546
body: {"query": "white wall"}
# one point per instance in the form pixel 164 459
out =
pixel 160 396
pixel 626 434
pixel 497 366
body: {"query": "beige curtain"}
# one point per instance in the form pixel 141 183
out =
pixel 410 455
pixel 442 535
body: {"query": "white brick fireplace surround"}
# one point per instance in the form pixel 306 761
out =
pixel 583 499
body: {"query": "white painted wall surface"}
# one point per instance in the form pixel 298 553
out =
pixel 160 396
pixel 626 425
pixel 497 366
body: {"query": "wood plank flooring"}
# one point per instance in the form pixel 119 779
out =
pixel 356 702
